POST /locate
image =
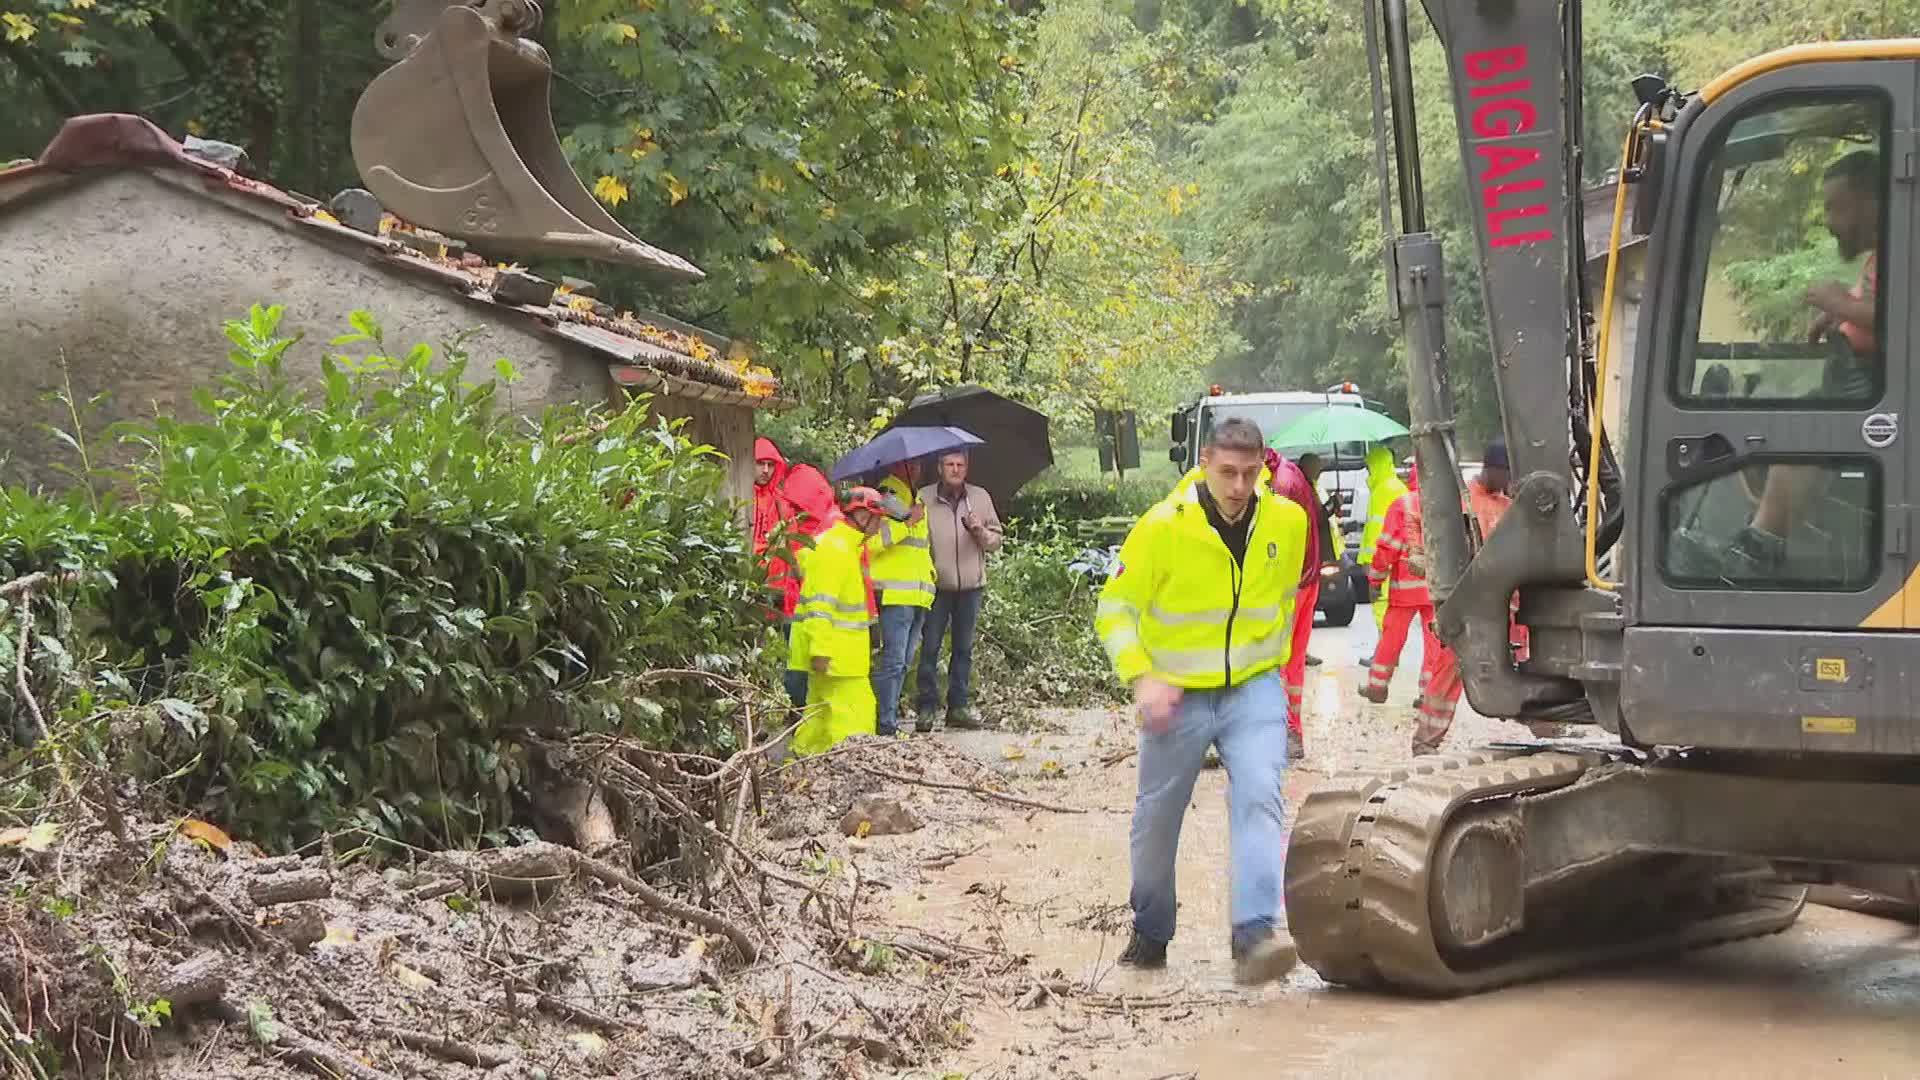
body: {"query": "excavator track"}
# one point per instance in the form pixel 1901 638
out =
pixel 1361 879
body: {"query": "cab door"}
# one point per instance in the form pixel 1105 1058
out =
pixel 1771 516
pixel 1771 437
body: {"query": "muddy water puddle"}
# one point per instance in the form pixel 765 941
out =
pixel 1836 995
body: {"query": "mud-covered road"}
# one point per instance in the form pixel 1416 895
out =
pixel 1836 995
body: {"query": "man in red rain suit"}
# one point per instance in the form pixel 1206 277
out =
pixel 800 497
pixel 1399 557
pixel 1290 482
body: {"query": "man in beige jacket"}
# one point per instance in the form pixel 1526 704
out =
pixel 962 528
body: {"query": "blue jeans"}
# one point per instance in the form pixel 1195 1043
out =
pixel 795 682
pixel 899 632
pixel 1249 725
pixel 959 610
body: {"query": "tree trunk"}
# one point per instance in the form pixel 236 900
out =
pixel 35 67
pixel 303 140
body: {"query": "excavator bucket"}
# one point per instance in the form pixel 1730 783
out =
pixel 458 136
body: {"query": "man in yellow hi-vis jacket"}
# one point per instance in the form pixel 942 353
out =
pixel 902 557
pixel 831 624
pixel 1198 620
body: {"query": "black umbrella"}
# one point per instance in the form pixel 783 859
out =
pixel 1017 448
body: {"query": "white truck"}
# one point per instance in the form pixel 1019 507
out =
pixel 1343 480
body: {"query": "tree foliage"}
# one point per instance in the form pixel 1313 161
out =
pixel 1087 203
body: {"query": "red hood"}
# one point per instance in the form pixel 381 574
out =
pixel 764 450
pixel 1291 483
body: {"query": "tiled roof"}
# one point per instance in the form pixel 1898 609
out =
pixel 679 361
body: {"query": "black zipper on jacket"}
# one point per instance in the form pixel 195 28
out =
pixel 1237 574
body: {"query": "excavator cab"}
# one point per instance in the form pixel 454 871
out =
pixel 1768 525
pixel 458 136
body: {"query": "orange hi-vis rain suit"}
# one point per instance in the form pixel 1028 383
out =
pixel 1400 564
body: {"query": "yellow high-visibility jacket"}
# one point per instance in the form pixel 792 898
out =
pixel 834 614
pixel 1178 607
pixel 1384 488
pixel 902 555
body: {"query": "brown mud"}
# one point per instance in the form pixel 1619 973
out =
pixel 1834 995
pixel 963 924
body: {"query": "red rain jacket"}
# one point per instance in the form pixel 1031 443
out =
pixel 798 495
pixel 1291 483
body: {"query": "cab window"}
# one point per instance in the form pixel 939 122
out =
pixel 1784 261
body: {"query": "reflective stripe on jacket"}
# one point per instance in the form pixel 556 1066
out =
pixel 1384 488
pixel 835 610
pixel 902 554
pixel 1178 608
pixel 1401 555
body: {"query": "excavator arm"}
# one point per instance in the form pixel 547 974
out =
pixel 1517 105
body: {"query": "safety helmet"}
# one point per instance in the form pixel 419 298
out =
pixel 864 498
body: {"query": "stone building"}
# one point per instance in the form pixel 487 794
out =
pixel 125 254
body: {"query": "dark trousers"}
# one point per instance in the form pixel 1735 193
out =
pixel 960 611
pixel 795 682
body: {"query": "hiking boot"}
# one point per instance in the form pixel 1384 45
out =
pixel 964 720
pixel 1425 749
pixel 1265 957
pixel 1296 746
pixel 1212 760
pixel 1143 954
pixel 1377 695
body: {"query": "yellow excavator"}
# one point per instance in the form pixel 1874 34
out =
pixel 458 136
pixel 1730 592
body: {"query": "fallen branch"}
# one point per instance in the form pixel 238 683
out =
pixel 254 934
pixel 446 1049
pixel 290 1045
pixel 666 905
pixel 944 859
pixel 267 890
pixel 878 1051
pixel 194 982
pixel 973 789
pixel 1121 1003
pixel 541 864
pixel 567 1010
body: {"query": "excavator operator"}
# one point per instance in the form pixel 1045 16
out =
pixel 1844 316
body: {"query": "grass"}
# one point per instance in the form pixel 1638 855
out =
pixel 1081 464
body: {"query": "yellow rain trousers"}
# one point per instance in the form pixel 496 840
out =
pixel 838 707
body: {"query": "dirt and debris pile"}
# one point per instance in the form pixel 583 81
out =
pixel 160 946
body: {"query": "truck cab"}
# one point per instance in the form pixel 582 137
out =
pixel 1344 478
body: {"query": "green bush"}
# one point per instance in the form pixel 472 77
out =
pixel 1036 642
pixel 1085 500
pixel 354 608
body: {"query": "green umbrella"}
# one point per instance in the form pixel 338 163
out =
pixel 1331 424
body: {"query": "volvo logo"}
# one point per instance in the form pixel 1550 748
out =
pixel 1880 429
